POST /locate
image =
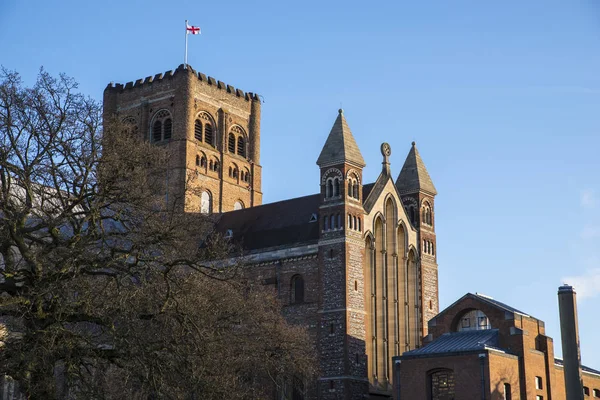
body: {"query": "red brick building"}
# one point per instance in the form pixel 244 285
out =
pixel 480 348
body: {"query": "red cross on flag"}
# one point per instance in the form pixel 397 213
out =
pixel 192 30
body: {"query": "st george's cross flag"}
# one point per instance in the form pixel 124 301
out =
pixel 192 30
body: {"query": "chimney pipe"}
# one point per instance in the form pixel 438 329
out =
pixel 567 308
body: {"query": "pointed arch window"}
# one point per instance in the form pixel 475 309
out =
pixel 238 205
pixel 157 131
pixel 198 130
pixel 168 128
pixel 162 126
pixel 297 290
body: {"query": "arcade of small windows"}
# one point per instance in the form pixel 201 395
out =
pixel 162 126
pixel 428 247
pixel 203 129
pixel 332 188
pixel 200 161
pixel 234 172
pixel 354 223
pixel 236 141
pixel 427 214
pixel 332 222
pixel 213 165
pixel 353 188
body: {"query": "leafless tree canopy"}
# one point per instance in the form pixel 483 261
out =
pixel 105 290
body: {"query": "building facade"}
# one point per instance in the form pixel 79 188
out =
pixel 355 262
pixel 481 349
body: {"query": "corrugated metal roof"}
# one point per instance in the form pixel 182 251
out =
pixel 459 341
pixel 559 361
pixel 500 304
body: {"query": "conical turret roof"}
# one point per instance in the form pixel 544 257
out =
pixel 414 175
pixel 340 146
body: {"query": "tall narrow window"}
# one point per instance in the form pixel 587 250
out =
pixel 241 146
pixel 157 131
pixel 326 223
pixel 349 221
pixel 355 190
pixel 197 160
pixel 359 227
pixel 355 226
pixel 336 187
pixel 507 392
pixel 198 130
pixel 297 289
pixel 329 188
pixel 339 221
pixel 332 222
pixel 208 134
pixel 168 126
pixel 205 203
pixel 349 188
pixel 231 143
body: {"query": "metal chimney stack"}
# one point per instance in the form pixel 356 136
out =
pixel 569 332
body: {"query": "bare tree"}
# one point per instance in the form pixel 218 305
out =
pixel 106 290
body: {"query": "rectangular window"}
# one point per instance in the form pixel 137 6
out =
pixel 538 382
pixel 507 392
pixel 466 323
pixel 483 322
pixel 596 392
pixel 538 397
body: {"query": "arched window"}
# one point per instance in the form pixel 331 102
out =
pixel 162 126
pixel 231 143
pixel 355 190
pixel 238 205
pixel 235 172
pixel 197 160
pixel 329 188
pixel 205 203
pixel 355 226
pixel 339 221
pixel 332 222
pixel 411 212
pixel 432 249
pixel 359 227
pixel 297 290
pixel 473 320
pixel 350 188
pixel 349 221
pixel 241 146
pixel 441 384
pixel 246 175
pixel 336 187
pixel 198 130
pixel 203 161
pixel 130 126
pixel 216 166
pixel 230 172
pixel 208 135
pixel 326 223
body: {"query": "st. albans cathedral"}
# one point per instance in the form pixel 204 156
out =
pixel 355 262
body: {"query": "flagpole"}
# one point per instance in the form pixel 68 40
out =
pixel 186 40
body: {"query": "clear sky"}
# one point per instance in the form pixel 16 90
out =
pixel 502 98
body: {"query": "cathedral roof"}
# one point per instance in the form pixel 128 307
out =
pixel 340 146
pixel 414 175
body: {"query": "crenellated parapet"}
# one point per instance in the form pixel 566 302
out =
pixel 162 78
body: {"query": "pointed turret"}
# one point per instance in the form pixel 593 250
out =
pixel 414 176
pixel 340 146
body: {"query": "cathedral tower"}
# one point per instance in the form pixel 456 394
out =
pixel 418 196
pixel 211 129
pixel 341 338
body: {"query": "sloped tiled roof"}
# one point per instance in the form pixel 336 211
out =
pixel 275 224
pixel 459 341
pixel 340 145
pixel 414 176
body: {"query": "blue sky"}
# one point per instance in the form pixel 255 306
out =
pixel 502 98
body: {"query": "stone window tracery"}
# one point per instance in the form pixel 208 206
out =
pixel 162 126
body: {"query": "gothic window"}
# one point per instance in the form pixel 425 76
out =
pixel 162 126
pixel 241 146
pixel 205 203
pixel 441 385
pixel 208 135
pixel 130 126
pixel 231 143
pixel 297 290
pixel 336 187
pixel 198 130
pixel 238 205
